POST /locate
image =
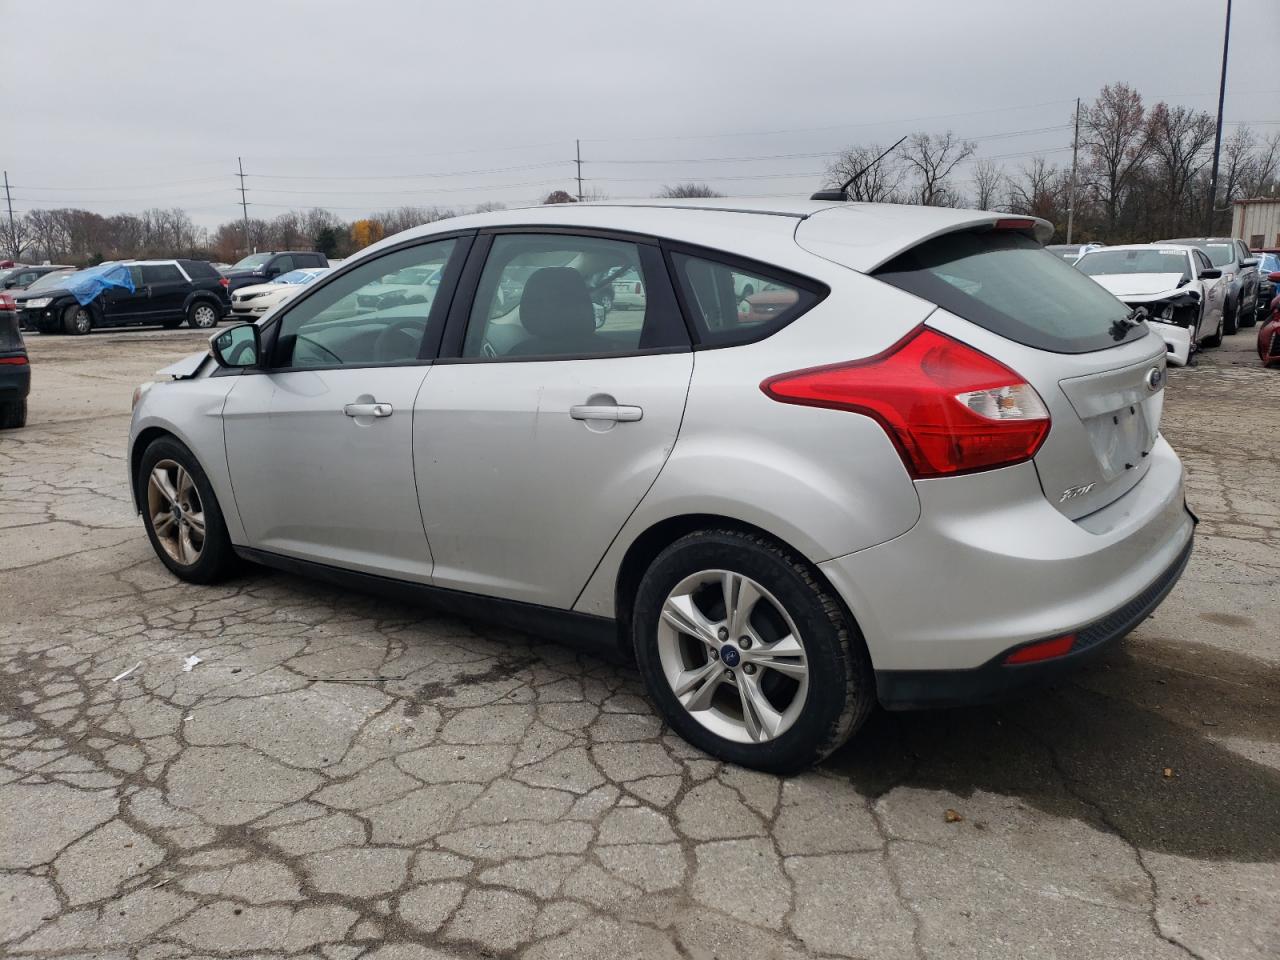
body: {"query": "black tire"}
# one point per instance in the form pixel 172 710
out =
pixel 172 324
pixel 77 320
pixel 1249 317
pixel 217 560
pixel 841 685
pixel 202 315
pixel 13 414
pixel 1229 319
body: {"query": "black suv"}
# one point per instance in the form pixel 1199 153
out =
pixel 262 267
pixel 165 292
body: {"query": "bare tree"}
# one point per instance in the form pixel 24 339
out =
pixel 682 190
pixel 880 180
pixel 46 228
pixel 1038 190
pixel 1179 139
pixel 933 158
pixel 489 206
pixel 559 196
pixel 1262 176
pixel 1113 132
pixel 988 181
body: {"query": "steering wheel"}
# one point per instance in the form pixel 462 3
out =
pixel 399 340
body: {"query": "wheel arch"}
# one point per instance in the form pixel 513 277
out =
pixel 196 296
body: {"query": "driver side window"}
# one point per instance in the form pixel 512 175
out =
pixel 377 313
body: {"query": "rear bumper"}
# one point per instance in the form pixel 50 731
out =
pixel 992 565
pixel 15 380
pixel 996 680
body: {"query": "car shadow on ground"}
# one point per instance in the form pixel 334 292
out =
pixel 1133 744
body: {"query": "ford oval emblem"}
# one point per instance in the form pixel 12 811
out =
pixel 1155 379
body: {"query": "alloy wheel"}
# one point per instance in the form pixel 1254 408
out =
pixel 204 316
pixel 733 656
pixel 175 510
pixel 82 320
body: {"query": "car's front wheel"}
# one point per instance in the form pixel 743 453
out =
pixel 1229 325
pixel 77 319
pixel 181 513
pixel 748 654
pixel 202 315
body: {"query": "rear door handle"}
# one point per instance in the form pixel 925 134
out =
pixel 367 409
pixel 617 412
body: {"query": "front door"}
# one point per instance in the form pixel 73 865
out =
pixel 535 443
pixel 167 288
pixel 319 445
pixel 123 306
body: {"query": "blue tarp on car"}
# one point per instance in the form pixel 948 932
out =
pixel 87 284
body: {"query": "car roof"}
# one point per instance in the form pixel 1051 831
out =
pixel 1180 247
pixel 854 234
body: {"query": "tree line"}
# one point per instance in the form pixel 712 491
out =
pixel 1142 174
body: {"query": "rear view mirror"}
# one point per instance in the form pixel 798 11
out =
pixel 237 347
pixel 1212 273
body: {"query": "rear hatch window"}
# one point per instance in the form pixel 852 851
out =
pixel 1007 283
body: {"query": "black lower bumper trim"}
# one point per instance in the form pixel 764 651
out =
pixel 995 680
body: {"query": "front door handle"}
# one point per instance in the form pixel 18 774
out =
pixel 367 409
pixel 612 411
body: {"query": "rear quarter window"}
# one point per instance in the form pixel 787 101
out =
pixel 730 303
pixel 1007 283
pixel 199 269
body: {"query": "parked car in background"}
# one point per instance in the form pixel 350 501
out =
pixel 1175 287
pixel 264 267
pixel 1071 252
pixel 15 367
pixel 251 302
pixel 1239 277
pixel 933 475
pixel 164 292
pixel 1268 285
pixel 19 278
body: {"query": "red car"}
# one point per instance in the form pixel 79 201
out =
pixel 1269 332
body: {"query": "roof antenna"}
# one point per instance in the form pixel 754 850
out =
pixel 843 193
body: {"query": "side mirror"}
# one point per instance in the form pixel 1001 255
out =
pixel 10 284
pixel 1249 262
pixel 1211 274
pixel 237 347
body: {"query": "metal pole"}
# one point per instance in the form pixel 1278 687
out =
pixel 1217 137
pixel 1071 198
pixel 13 234
pixel 578 145
pixel 248 246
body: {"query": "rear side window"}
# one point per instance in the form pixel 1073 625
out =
pixel 161 273
pixel 199 269
pixel 1008 284
pixel 732 304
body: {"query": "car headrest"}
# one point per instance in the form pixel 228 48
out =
pixel 556 304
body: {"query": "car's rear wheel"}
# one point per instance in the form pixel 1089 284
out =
pixel 13 414
pixel 181 513
pixel 748 654
pixel 202 315
pixel 77 319
pixel 1216 339
pixel 1249 317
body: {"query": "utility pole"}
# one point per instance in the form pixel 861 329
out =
pixel 1217 137
pixel 578 145
pixel 1071 197
pixel 13 234
pixel 244 205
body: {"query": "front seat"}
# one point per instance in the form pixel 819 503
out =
pixel 556 312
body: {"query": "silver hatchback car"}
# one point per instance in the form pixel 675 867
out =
pixel 922 468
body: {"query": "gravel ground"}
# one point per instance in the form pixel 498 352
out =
pixel 500 796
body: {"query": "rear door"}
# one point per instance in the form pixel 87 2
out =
pixel 540 432
pixel 1101 376
pixel 167 289
pixel 319 445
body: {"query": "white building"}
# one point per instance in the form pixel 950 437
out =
pixel 1257 221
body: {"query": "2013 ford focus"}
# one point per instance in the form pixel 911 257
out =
pixel 926 469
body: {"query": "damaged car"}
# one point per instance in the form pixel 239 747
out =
pixel 1175 287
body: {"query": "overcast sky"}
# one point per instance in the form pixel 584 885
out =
pixel 120 104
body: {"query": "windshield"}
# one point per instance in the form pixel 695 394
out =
pixel 1220 253
pixel 1008 284
pixel 252 261
pixel 49 281
pixel 1105 262
pixel 296 276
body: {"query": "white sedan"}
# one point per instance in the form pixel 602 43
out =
pixel 1175 287
pixel 249 303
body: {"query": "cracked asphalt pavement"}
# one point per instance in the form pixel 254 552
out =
pixel 342 777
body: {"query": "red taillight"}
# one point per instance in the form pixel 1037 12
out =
pixel 7 302
pixel 949 408
pixel 1014 223
pixel 1043 650
pixel 14 361
pixel 224 281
